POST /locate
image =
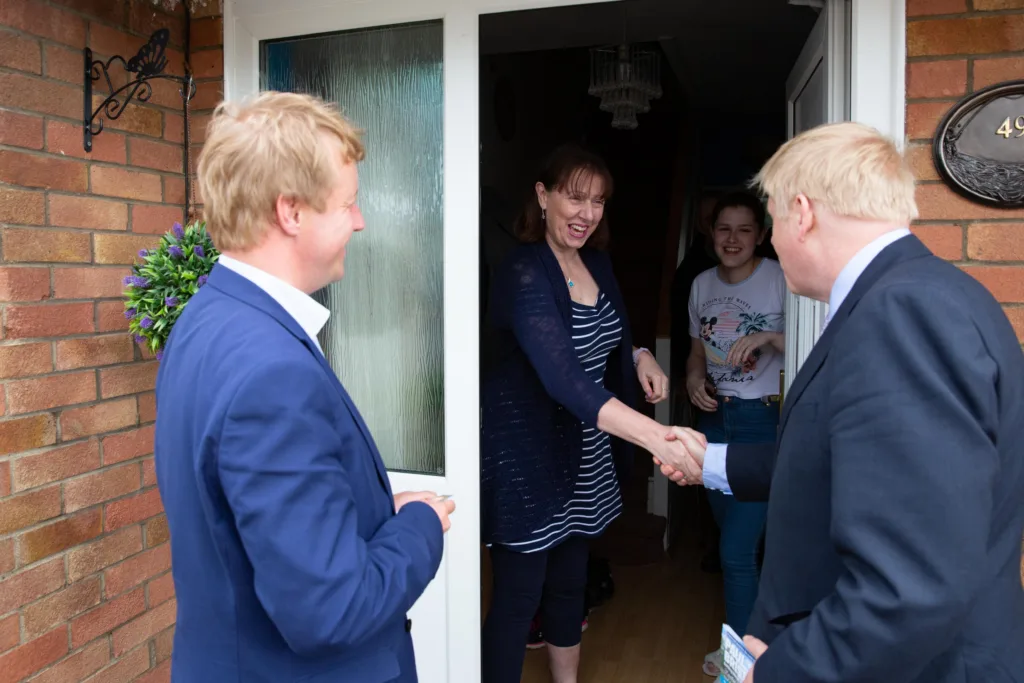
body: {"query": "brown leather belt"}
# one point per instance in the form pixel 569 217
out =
pixel 767 400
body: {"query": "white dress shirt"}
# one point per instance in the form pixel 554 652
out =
pixel 714 456
pixel 309 314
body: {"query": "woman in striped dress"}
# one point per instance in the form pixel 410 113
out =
pixel 557 415
pixel 596 332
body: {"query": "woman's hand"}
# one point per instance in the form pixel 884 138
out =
pixel 652 378
pixel 699 389
pixel 744 347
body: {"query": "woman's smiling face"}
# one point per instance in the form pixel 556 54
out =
pixel 573 212
pixel 736 235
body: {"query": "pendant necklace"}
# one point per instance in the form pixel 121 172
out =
pixel 568 277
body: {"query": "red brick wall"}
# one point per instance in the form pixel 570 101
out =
pixel 955 47
pixel 85 592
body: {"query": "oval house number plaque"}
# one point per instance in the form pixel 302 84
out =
pixel 979 146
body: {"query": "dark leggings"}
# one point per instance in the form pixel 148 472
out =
pixel 559 576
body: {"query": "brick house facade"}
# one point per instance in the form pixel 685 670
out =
pixel 955 47
pixel 85 589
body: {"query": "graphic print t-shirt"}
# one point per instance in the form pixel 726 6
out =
pixel 721 313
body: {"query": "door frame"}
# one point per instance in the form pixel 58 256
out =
pixel 827 47
pixel 864 81
pixel 877 97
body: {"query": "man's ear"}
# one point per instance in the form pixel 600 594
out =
pixel 805 216
pixel 288 215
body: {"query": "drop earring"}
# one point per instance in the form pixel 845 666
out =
pixel 543 214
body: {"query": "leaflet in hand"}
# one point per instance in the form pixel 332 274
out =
pixel 736 659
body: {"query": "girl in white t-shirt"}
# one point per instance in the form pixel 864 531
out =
pixel 737 321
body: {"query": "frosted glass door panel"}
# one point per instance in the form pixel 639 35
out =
pixel 385 335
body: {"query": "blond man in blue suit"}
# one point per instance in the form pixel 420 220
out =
pixel 293 560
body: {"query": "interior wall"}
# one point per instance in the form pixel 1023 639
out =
pixel 735 144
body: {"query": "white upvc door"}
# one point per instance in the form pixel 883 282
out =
pixel 404 327
pixel 817 92
pixel 851 68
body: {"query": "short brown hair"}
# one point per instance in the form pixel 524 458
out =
pixel 264 148
pixel 567 168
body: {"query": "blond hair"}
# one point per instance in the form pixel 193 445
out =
pixel 264 148
pixel 850 168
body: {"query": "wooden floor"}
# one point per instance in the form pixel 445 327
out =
pixel 657 628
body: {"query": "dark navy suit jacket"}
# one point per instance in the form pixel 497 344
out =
pixel 289 561
pixel 897 489
pixel 537 395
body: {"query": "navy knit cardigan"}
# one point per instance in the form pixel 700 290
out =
pixel 536 395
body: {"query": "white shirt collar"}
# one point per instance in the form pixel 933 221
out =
pixel 309 314
pixel 852 271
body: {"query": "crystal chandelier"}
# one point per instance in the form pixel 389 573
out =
pixel 626 78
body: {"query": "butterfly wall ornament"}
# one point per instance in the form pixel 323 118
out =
pixel 147 64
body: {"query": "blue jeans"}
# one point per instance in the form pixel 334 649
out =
pixel 741 525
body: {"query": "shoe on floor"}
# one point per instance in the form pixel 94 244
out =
pixel 712 664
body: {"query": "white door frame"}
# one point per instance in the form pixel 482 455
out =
pixel 877 98
pixel 874 84
pixel 826 48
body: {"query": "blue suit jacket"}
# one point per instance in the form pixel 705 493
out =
pixel 289 561
pixel 895 517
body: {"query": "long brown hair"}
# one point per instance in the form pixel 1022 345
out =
pixel 568 168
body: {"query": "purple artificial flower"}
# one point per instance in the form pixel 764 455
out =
pixel 179 232
pixel 128 280
pixel 139 339
pixel 175 251
pixel 143 253
pixel 129 313
pixel 202 280
pixel 136 281
pixel 160 354
pixel 171 301
pixel 146 323
pixel 198 251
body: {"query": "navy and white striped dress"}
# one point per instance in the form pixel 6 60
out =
pixel 596 332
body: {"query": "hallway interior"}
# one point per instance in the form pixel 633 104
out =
pixel 657 628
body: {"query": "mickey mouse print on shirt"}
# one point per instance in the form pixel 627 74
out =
pixel 721 313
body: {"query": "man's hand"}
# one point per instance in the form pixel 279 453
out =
pixel 413 497
pixel 686 468
pixel 443 508
pixel 756 648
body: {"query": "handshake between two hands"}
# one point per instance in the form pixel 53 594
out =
pixel 681 455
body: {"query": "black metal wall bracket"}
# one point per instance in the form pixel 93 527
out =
pixel 147 65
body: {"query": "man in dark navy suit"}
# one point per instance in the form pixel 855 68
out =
pixel 896 488
pixel 292 559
